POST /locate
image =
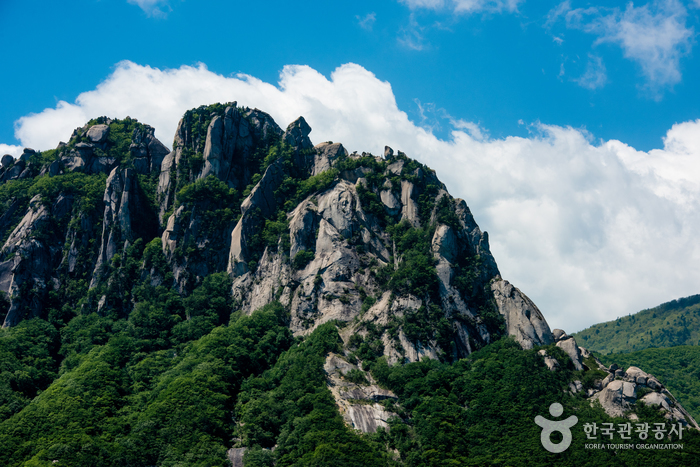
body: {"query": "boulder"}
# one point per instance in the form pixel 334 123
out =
pixel 325 156
pixel 98 133
pixel 635 375
pixel 575 386
pixel 612 400
pixel 7 160
pixel 54 168
pixel 656 398
pixel 388 153
pixel 558 334
pixel 569 346
pixel 654 383
pixel 551 362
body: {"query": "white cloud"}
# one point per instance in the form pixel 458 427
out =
pixel 14 151
pixel 155 8
pixel 367 21
pixel 556 13
pixel 473 129
pixel 595 76
pixel 589 231
pixel 475 6
pixel 465 6
pixel 654 35
pixel 429 4
pixel 411 36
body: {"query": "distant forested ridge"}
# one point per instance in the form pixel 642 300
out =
pixel 673 323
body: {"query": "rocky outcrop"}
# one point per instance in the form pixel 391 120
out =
pixel 260 204
pixel 568 345
pixel 231 140
pixel 235 456
pixel 524 321
pixel 619 392
pixel 551 362
pixel 98 134
pixel 127 216
pixel 25 275
pixel 345 240
pixel 11 169
pixel 325 155
pixel 297 134
pixel 358 402
pixel 147 152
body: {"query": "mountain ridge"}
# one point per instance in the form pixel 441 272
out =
pixel 669 324
pixel 256 291
pixel 227 155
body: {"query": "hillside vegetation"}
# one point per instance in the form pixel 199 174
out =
pixel 670 324
pixel 127 403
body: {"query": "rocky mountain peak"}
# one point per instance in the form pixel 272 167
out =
pixel 373 241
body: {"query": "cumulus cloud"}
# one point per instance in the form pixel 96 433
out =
pixel 155 8
pixel 589 230
pixel 654 35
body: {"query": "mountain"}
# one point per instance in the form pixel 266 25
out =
pixel 250 298
pixel 670 324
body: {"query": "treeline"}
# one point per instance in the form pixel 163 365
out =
pixel 670 324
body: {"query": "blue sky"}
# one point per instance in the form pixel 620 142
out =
pixel 570 128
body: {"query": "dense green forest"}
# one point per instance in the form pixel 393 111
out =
pixel 678 368
pixel 125 401
pixel 674 323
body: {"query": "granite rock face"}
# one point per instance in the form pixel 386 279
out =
pixel 127 217
pixel 524 320
pixel 29 265
pixel 358 402
pixel 227 149
pixel 344 239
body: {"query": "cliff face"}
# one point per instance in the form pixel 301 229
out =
pixel 376 241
